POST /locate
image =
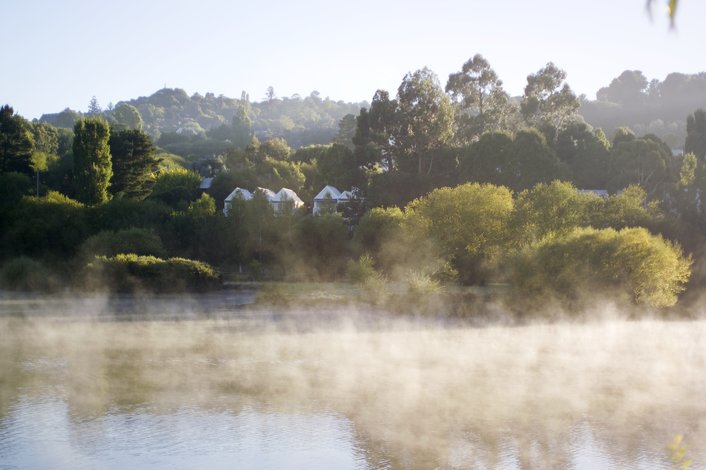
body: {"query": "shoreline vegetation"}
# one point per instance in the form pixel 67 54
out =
pixel 463 200
pixel 341 301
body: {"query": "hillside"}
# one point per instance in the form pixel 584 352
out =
pixel 301 121
pixel 630 100
pixel 656 107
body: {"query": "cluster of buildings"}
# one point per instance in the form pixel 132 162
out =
pixel 327 200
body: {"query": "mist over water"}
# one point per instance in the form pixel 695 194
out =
pixel 291 388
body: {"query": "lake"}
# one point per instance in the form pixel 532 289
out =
pixel 208 382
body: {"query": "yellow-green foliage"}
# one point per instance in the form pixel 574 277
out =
pixel 470 218
pixel 466 226
pixel 176 178
pixel 55 197
pixel 133 240
pixel 130 273
pixel 651 270
pixel 203 206
pixel 549 208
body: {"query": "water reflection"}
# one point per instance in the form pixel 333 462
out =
pixel 237 391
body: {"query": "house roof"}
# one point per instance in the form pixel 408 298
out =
pixel 286 194
pixel 206 183
pixel 241 193
pixel 328 190
pixel 597 192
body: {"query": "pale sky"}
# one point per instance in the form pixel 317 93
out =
pixel 58 54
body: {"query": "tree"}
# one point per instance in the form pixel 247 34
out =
pixel 92 160
pixel 16 142
pixel 270 93
pixel 424 121
pixel 586 154
pixel 628 89
pixel 555 208
pixel 480 100
pixel 696 134
pixel 628 208
pixel 466 224
pixel 548 99
pixel 203 206
pixel 94 108
pixel 176 188
pixel 485 159
pixel 66 119
pixel 46 145
pixel 346 131
pixel 126 116
pixel 645 161
pixel 531 161
pixel 134 163
pixel 374 129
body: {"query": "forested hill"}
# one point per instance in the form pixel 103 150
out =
pixel 655 107
pixel 300 120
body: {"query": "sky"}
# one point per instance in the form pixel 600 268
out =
pixel 59 54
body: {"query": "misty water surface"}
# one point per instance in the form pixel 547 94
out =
pixel 254 388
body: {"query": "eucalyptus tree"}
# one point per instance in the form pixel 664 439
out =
pixel 424 121
pixel 481 102
pixel 548 99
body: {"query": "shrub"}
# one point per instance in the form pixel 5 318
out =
pixel 647 268
pixel 52 226
pixel 13 186
pixel 27 274
pixel 133 240
pixel 134 273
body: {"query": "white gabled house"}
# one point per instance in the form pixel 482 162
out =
pixel 330 198
pixel 279 201
pixel 269 194
pixel 284 199
pixel 326 200
pixel 240 193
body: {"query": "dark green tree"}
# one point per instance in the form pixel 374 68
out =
pixel 696 134
pixel 346 131
pixel 92 160
pixel 487 160
pixel 374 128
pixel 645 161
pixel 16 142
pixel 533 161
pixel 586 154
pixel 134 163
